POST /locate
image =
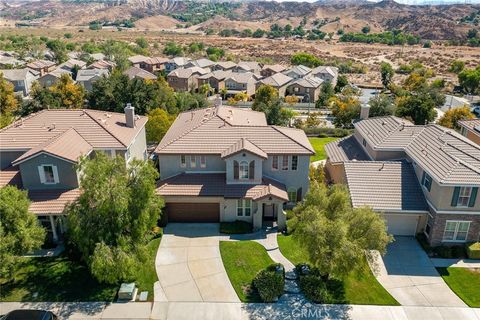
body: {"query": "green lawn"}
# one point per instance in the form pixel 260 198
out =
pixel 318 144
pixel 360 286
pixel 242 261
pixel 464 282
pixel 61 279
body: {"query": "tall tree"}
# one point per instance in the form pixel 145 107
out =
pixel 110 220
pixel 469 80
pixel 159 121
pixel 326 92
pixel 451 117
pixel 20 231
pixel 381 105
pixel 8 102
pixel 59 49
pixel 63 94
pixel 345 109
pixel 268 102
pixel 386 72
pixel 335 235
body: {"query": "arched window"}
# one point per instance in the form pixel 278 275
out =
pixel 243 170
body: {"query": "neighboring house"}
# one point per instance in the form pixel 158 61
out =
pixel 185 79
pixel 42 66
pixel 225 164
pixel 307 89
pixel 216 79
pixel 224 65
pixel 155 64
pixel 175 63
pixel 138 61
pixel 297 72
pixel 70 64
pixel 53 77
pixel 471 129
pixel 22 79
pixel 326 73
pixel 98 56
pixel 203 63
pixel 270 69
pixel 240 82
pixel 102 64
pixel 247 66
pixel 424 179
pixel 9 62
pixel 452 102
pixel 39 153
pixel 279 81
pixel 137 73
pixel 87 77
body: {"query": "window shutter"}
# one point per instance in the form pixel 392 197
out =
pixel 423 178
pixel 55 174
pixel 456 192
pixel 41 174
pixel 299 194
pixel 235 170
pixel 473 197
pixel 251 171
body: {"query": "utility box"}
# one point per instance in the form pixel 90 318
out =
pixel 127 291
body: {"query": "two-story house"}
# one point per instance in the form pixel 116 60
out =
pixel 238 82
pixel 39 153
pixel 307 89
pixel 326 73
pixel 215 79
pixel 175 63
pixel 470 129
pixel 225 164
pixel 297 72
pixel 278 81
pixel 185 79
pixel 423 178
pixel 21 79
pixel 42 66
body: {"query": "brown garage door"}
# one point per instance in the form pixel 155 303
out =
pixel 193 212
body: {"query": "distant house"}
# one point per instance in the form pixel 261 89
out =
pixel 247 66
pixel 279 81
pixel 138 61
pixel 102 64
pixel 70 64
pixel 471 129
pixel 224 65
pixel 240 82
pixel 307 89
pixel 270 69
pixel 8 61
pixel 201 63
pixel 297 72
pixel 53 77
pixel 215 79
pixel 185 79
pixel 155 64
pixel 87 77
pixel 137 73
pixel 326 73
pixel 97 56
pixel 175 63
pixel 21 79
pixel 42 66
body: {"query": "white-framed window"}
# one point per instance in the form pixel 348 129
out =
pixel 295 89
pixel 285 163
pixel 243 169
pixel 292 195
pixel 456 230
pixel 294 164
pixel 275 163
pixel 203 161
pixel 464 196
pixel 427 181
pixel 183 161
pixel 244 207
pixel 193 161
pixel 48 174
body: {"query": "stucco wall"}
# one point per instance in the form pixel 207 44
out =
pixel 335 172
pixel 291 178
pixel 169 165
pixel 244 156
pixel 66 173
pixel 138 148
pixel 6 158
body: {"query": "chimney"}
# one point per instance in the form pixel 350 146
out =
pixel 130 115
pixel 364 111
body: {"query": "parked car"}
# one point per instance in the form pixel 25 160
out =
pixel 29 315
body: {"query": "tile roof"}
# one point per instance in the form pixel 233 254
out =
pixel 472 125
pixel 217 74
pixel 311 82
pixel 38 64
pixel 274 67
pixel 213 130
pixel 135 72
pixel 226 64
pixel 102 64
pixel 156 60
pixel 202 63
pixel 300 70
pixel 187 72
pixel 214 185
pixel 333 71
pixel 69 64
pixel 384 186
pixel 180 61
pixel 44 202
pixel 243 145
pixel 138 58
pixel 88 74
pixel 276 80
pixel 100 129
pixel 68 145
pixel 241 77
pixel 11 176
pixel 15 74
pixel 345 149
pixel 57 73
pixel 249 65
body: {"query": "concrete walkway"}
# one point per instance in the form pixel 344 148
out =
pixel 189 265
pixel 411 278
pixel 456 263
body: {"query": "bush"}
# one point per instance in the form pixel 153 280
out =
pixel 473 250
pixel 450 252
pixel 269 284
pixel 315 288
pixel 236 227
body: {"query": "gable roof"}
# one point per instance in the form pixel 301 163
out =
pixel 333 71
pixel 241 77
pixel 156 60
pixel 187 72
pixel 214 130
pixel 276 80
pixel 88 74
pixel 202 63
pixel 179 61
pixel 135 72
pixel 300 70
pixel 15 74
pixel 249 65
pixel 102 64
pixel 311 82
pixel 217 74
pixel 38 64
pixel 51 201
pixel 71 63
pixel 274 67
pixel 345 149
pixel 243 145
pixel 473 125
pixel 137 59
pixel 57 73
pixel 226 64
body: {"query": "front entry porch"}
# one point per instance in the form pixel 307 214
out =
pixel 269 210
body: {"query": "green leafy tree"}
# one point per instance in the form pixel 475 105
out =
pixel 110 221
pixel 172 49
pixel 259 33
pixel 326 92
pixel 159 121
pixel 386 72
pixel 8 102
pixel 268 102
pixel 59 49
pixel 305 59
pixel 469 80
pixel 190 101
pixel 342 82
pixel 451 117
pixel 63 94
pixel 345 109
pixel 142 42
pixel 336 236
pixel 381 105
pixel 20 231
pixel 457 66
pixel 366 29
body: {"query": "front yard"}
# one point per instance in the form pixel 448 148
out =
pixel 63 279
pixel 318 145
pixel 242 261
pixel 464 282
pixel 360 286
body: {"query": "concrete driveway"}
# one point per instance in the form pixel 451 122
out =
pixel 189 265
pixel 408 274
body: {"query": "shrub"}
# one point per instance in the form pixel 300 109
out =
pixel 315 288
pixel 269 284
pixel 458 252
pixel 473 250
pixel 236 227
pixel 443 252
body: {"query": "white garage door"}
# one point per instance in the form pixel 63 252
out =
pixel 401 225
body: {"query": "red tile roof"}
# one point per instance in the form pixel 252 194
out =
pixel 51 201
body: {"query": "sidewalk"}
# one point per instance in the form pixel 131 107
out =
pixel 456 263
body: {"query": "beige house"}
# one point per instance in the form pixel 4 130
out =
pixel 279 81
pixel 203 63
pixel 137 73
pixel 216 79
pixel 326 73
pixel 224 65
pixel 185 79
pixel 240 82
pixel 151 65
pixel 87 77
pixel 247 66
pixel 297 72
pixel 423 179
pixel 102 64
pixel 307 89
pixel 42 66
pixel 53 77
pixel 270 69
pixel 471 129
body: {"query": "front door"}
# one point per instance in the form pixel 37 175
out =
pixel 268 212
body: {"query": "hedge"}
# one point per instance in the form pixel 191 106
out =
pixel 327 132
pixel 473 250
